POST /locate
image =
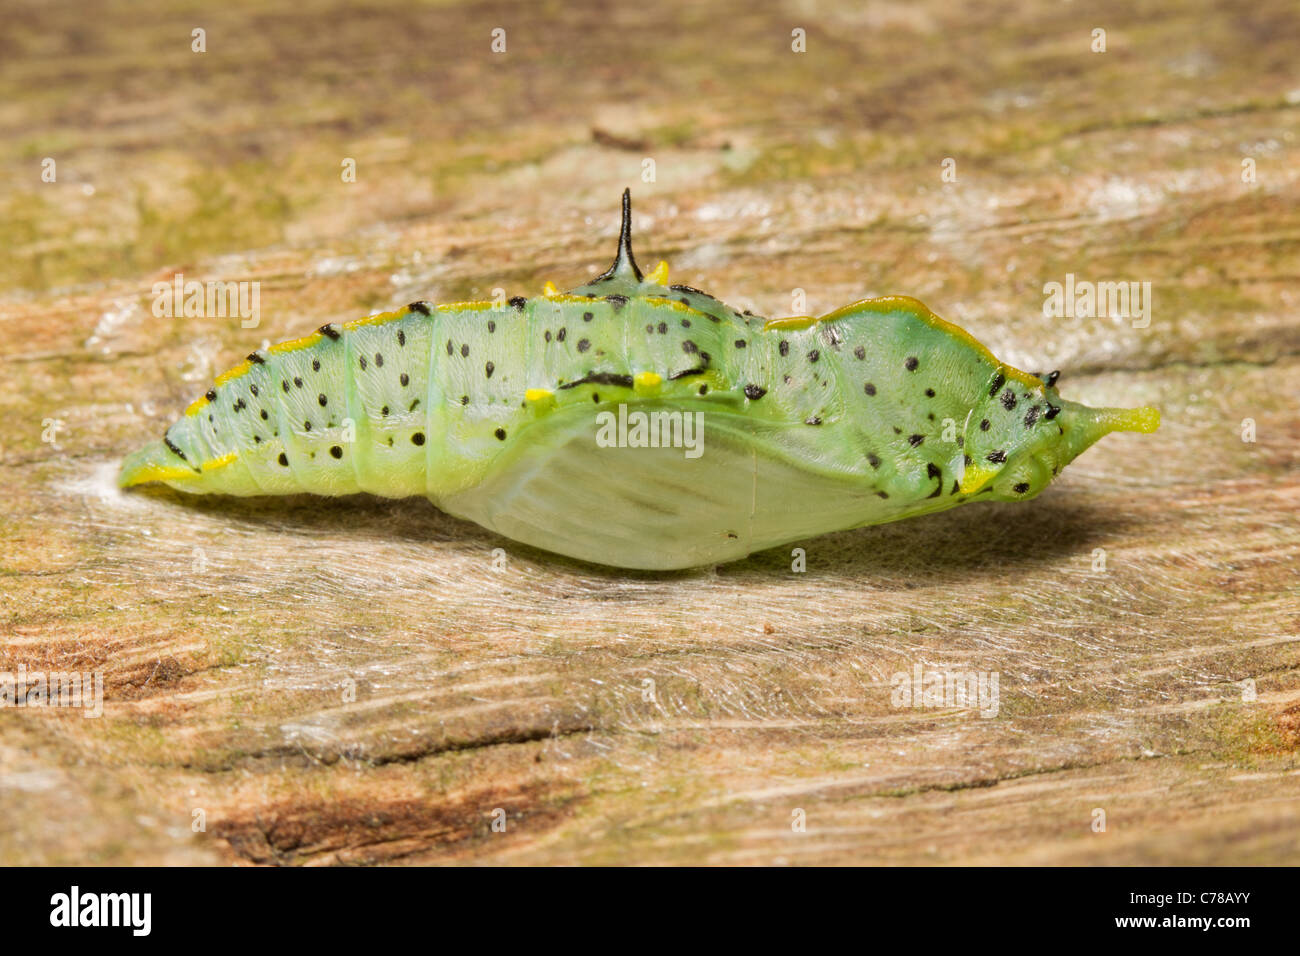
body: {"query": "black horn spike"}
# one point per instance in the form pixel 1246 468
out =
pixel 624 262
pixel 1052 377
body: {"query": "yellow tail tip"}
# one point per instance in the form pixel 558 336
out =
pixel 1145 419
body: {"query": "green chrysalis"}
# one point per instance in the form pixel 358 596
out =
pixel 634 423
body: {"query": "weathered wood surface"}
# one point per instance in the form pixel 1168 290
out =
pixel 228 631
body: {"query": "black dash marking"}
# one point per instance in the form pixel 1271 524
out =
pixel 882 494
pixel 329 332
pixel 421 307
pixel 754 392
pixel 172 447
pixel 997 457
pixel 617 301
pixel 915 440
pixel 601 378
pixel 561 335
pixel 401 337
pixel 998 381
pixel 687 288
pixel 256 359
pixel 873 460
pixel 932 470
pixel 315 365
pixel 698 370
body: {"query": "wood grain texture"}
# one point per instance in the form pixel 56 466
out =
pixel 365 681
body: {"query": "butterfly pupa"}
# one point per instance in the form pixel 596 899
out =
pixel 634 423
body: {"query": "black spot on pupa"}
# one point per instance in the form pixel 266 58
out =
pixel 873 460
pixel 915 440
pixel 329 332
pixel 812 421
pixel 932 470
pixel 501 434
pixel 741 343
pixel 869 388
pixel 379 360
pixel 315 365
pixel 464 350
pixel 488 369
pixel 911 363
pixel 1021 487
pixel 617 301
pixel 252 390
pixel 1009 400
pixel 583 345
pixel 663 328
pixel 929 393
pixel 517 303
pixel 384 411
pixel 984 425
pixel 284 459
pixel 561 335
pixel 1052 377
pixel 322 399
pixel 860 352
pixel 411 407
pixel 306 426
pixel 997 457
pixel 464 399
pixel 404 379
pixel 265 417
pixel 784 347
pixel 754 392
pixel 211 394
pixel 814 355
pixel 256 359
pixel 401 337
pixel 587 316
pixel 297 381
pixel 1031 416
pixel 417 438
pixel 704 389
pixel 336 451
pixel 492 325
pixel 998 381
pixel 450 348
pixel 882 494
pixel 362 361
pixel 689 347
pixel 422 308
pixel 284 384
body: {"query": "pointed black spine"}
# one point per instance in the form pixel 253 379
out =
pixel 624 260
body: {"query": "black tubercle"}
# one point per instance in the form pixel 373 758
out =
pixel 422 307
pixel 624 261
pixel 329 331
